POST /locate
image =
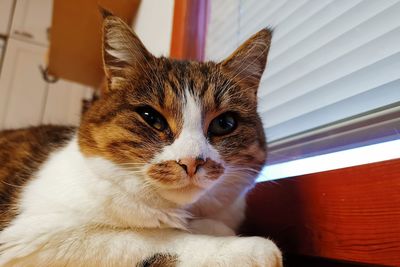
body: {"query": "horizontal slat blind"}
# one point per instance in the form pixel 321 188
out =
pixel 329 60
pixel 223 29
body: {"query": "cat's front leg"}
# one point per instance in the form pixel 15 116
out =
pixel 222 222
pixel 229 252
pixel 111 247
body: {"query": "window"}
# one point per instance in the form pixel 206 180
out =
pixel 332 80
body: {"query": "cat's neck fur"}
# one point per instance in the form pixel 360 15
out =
pixel 80 189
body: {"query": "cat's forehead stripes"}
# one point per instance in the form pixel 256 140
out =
pixel 179 76
pixel 186 94
pixel 189 95
pixel 191 142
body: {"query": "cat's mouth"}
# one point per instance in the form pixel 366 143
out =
pixel 177 185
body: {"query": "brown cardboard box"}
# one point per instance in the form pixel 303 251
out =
pixel 75 37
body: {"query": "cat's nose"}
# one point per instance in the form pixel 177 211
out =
pixel 191 165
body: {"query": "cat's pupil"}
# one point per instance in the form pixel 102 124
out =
pixel 153 118
pixel 226 123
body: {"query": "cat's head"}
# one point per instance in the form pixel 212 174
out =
pixel 178 126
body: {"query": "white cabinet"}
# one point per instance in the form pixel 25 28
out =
pixel 22 89
pixel 32 20
pixel 26 99
pixel 6 7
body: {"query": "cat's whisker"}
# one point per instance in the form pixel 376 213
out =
pixel 12 185
pixel 132 163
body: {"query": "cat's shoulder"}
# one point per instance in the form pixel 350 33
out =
pixel 31 144
pixel 43 133
pixel 22 152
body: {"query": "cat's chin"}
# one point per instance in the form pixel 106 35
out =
pixel 182 196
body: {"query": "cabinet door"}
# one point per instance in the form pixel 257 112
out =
pixel 22 88
pixel 64 103
pixel 5 15
pixel 31 20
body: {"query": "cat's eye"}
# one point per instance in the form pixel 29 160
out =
pixel 152 118
pixel 223 124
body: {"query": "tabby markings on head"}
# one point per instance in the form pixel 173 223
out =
pixel 182 124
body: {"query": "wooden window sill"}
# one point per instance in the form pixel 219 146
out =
pixel 350 214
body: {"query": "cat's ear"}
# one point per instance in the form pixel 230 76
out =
pixel 246 65
pixel 124 55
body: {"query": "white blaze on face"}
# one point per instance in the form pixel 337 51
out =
pixel 191 142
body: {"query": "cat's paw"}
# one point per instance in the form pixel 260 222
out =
pixel 250 252
pixel 210 227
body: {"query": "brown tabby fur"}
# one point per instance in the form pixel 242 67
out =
pixel 21 154
pixel 112 129
pixel 160 260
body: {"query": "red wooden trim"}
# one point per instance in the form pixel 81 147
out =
pixel 349 214
pixel 189 29
pixel 178 29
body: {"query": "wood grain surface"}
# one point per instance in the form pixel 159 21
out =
pixel 350 214
pixel 189 29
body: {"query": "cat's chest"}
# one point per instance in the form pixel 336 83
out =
pixel 62 189
pixel 69 190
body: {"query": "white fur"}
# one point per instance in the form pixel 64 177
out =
pixel 88 212
pixel 80 211
pixel 225 192
pixel 191 143
pixel 71 191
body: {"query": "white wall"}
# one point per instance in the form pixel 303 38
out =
pixel 153 25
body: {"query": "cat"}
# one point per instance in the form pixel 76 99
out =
pixel 156 173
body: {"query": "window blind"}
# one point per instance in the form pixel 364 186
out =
pixel 333 69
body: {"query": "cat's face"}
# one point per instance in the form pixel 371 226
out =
pixel 178 126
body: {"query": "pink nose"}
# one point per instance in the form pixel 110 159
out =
pixel 191 165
